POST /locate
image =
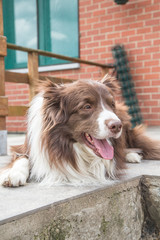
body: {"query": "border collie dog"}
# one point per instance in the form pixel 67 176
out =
pixel 76 134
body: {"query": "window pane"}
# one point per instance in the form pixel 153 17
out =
pixel 24 14
pixel 61 29
pixel 56 30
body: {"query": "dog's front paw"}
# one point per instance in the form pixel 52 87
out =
pixel 133 157
pixel 11 179
pixel 16 175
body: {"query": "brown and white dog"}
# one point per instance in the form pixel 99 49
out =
pixel 77 134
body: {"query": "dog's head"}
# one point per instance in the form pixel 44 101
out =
pixel 84 112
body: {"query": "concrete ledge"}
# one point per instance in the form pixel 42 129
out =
pixel 99 214
pixel 112 212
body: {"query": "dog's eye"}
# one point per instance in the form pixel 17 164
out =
pixel 87 106
pixel 113 104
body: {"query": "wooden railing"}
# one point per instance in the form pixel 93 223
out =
pixel 29 78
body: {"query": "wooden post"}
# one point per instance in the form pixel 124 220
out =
pixel 32 72
pixel 3 99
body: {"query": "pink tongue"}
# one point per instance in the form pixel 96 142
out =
pixel 104 148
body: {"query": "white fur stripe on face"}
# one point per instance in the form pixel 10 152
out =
pixel 105 115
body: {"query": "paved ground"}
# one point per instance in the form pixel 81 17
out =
pixel 16 202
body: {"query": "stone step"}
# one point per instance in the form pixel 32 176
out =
pixel 115 211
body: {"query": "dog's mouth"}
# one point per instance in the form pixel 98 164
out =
pixel 101 147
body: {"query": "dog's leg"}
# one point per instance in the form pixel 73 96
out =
pixel 16 173
pixel 137 139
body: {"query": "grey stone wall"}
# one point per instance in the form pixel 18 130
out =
pixel 119 212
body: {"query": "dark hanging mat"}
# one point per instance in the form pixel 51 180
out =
pixel 127 84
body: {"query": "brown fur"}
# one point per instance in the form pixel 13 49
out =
pixel 65 117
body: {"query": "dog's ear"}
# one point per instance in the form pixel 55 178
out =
pixel 47 85
pixel 54 102
pixel 111 83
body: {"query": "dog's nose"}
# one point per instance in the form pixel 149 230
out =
pixel 115 126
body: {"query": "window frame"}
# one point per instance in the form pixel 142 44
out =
pixel 64 65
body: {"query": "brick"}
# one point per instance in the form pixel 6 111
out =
pixel 136 25
pixel 113 9
pixel 93 57
pixel 144 43
pixel 153 76
pixel 106 43
pixel 120 27
pixel 155 109
pixel 106 56
pixel 152 49
pixel 92 20
pixel 128 33
pixel 93 32
pixel 98 25
pixel 143 57
pixel 153 7
pixel 156 56
pixel 152 22
pixel 98 37
pixel 145 109
pixel 156 96
pixel 84 3
pixel 144 30
pixel 136 51
pixel 143 70
pixel 86 27
pixel 151 63
pixel 106 30
pixel 156 42
pixel 99 50
pixel 113 35
pixel 144 17
pixel 130 45
pixel 152 35
pixel 85 40
pixel 156 69
pixel 99 12
pixel 151 103
pixel 153 122
pixel 136 11
pixel 136 38
pixel 156 14
pixel 85 15
pixel 143 83
pixel 129 6
pixel 156 82
pixel 144 97
pixel 137 64
pixel 127 20
pixel 93 44
pixel 120 15
pixel 150 90
pixel 105 4
pixel 92 7
pixel 156 28
pixel 95 1
pixel 142 4
pixel 106 17
pixel 113 22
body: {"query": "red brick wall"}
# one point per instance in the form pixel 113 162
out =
pixel 102 25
